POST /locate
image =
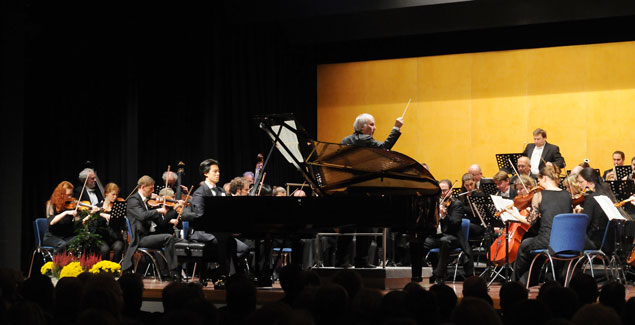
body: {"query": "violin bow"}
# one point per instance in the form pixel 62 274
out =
pixel 261 182
pixel 167 177
pixel 517 173
pixel 80 194
pixel 133 190
pixel 187 197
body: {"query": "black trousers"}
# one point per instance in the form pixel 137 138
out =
pixel 165 242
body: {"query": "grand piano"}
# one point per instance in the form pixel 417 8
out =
pixel 352 186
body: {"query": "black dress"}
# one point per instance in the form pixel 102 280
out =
pixel 61 233
pixel 111 237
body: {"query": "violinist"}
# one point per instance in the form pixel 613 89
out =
pixel 239 186
pixel 449 235
pixel 170 220
pixel 110 229
pixel 171 181
pixel 249 176
pixel 60 217
pixel 502 184
pixel 469 190
pixel 545 205
pixel 523 167
pixel 92 192
pixel 589 179
pixel 143 221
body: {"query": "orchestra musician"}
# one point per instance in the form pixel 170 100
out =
pixel 172 177
pixel 60 218
pixel 239 186
pixel 541 152
pixel 143 221
pixel 590 182
pixel 545 205
pixel 618 160
pixel 523 166
pixel 449 235
pixel 505 190
pixel 92 192
pixel 110 229
pixel 477 174
pixel 469 190
pixel 364 127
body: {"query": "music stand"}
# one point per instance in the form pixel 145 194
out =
pixel 623 171
pixel 484 207
pixel 456 191
pixel 502 160
pixel 622 189
pixel 158 188
pixel 488 186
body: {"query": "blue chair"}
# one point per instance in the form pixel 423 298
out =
pixel 147 252
pixel 566 242
pixel 40 227
pixel 457 253
pixel 591 254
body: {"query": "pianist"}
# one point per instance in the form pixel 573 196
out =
pixel 364 127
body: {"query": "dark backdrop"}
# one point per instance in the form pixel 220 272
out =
pixel 135 86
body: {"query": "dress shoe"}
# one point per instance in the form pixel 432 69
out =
pixel 364 266
pixel 175 277
pixel 416 279
pixel 344 265
pixel 437 280
pixel 220 283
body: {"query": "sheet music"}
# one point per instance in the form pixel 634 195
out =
pixel 500 203
pixel 607 206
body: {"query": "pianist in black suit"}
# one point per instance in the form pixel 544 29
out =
pixel 143 221
pixel 226 244
pixel 364 127
pixel 540 152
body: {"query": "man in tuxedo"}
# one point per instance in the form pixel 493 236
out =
pixel 502 184
pixel 144 221
pixel 364 127
pixel 541 152
pixel 91 192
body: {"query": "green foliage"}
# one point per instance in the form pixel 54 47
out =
pixel 87 238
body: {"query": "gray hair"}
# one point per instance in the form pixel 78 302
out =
pixel 361 120
pixel 248 173
pixel 165 175
pixel 83 175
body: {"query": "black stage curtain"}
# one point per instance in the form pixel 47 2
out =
pixel 134 89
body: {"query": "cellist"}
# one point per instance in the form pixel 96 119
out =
pixel 546 204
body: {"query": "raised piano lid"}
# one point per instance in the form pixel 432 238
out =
pixel 332 168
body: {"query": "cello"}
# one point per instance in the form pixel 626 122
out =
pixel 501 252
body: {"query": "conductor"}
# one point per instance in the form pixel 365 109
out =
pixel 364 127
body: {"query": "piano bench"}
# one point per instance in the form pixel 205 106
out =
pixel 190 249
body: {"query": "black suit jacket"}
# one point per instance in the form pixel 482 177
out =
pixel 198 201
pixel 84 197
pixel 451 224
pixel 551 153
pixel 365 140
pixel 512 192
pixel 140 219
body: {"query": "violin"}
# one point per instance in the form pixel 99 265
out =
pixel 80 205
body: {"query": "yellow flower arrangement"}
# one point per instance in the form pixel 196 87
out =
pixel 73 269
pixel 47 269
pixel 106 267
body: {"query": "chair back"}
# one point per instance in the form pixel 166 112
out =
pixel 40 227
pixel 568 233
pixel 606 245
pixel 186 229
pixel 129 230
pixel 465 227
